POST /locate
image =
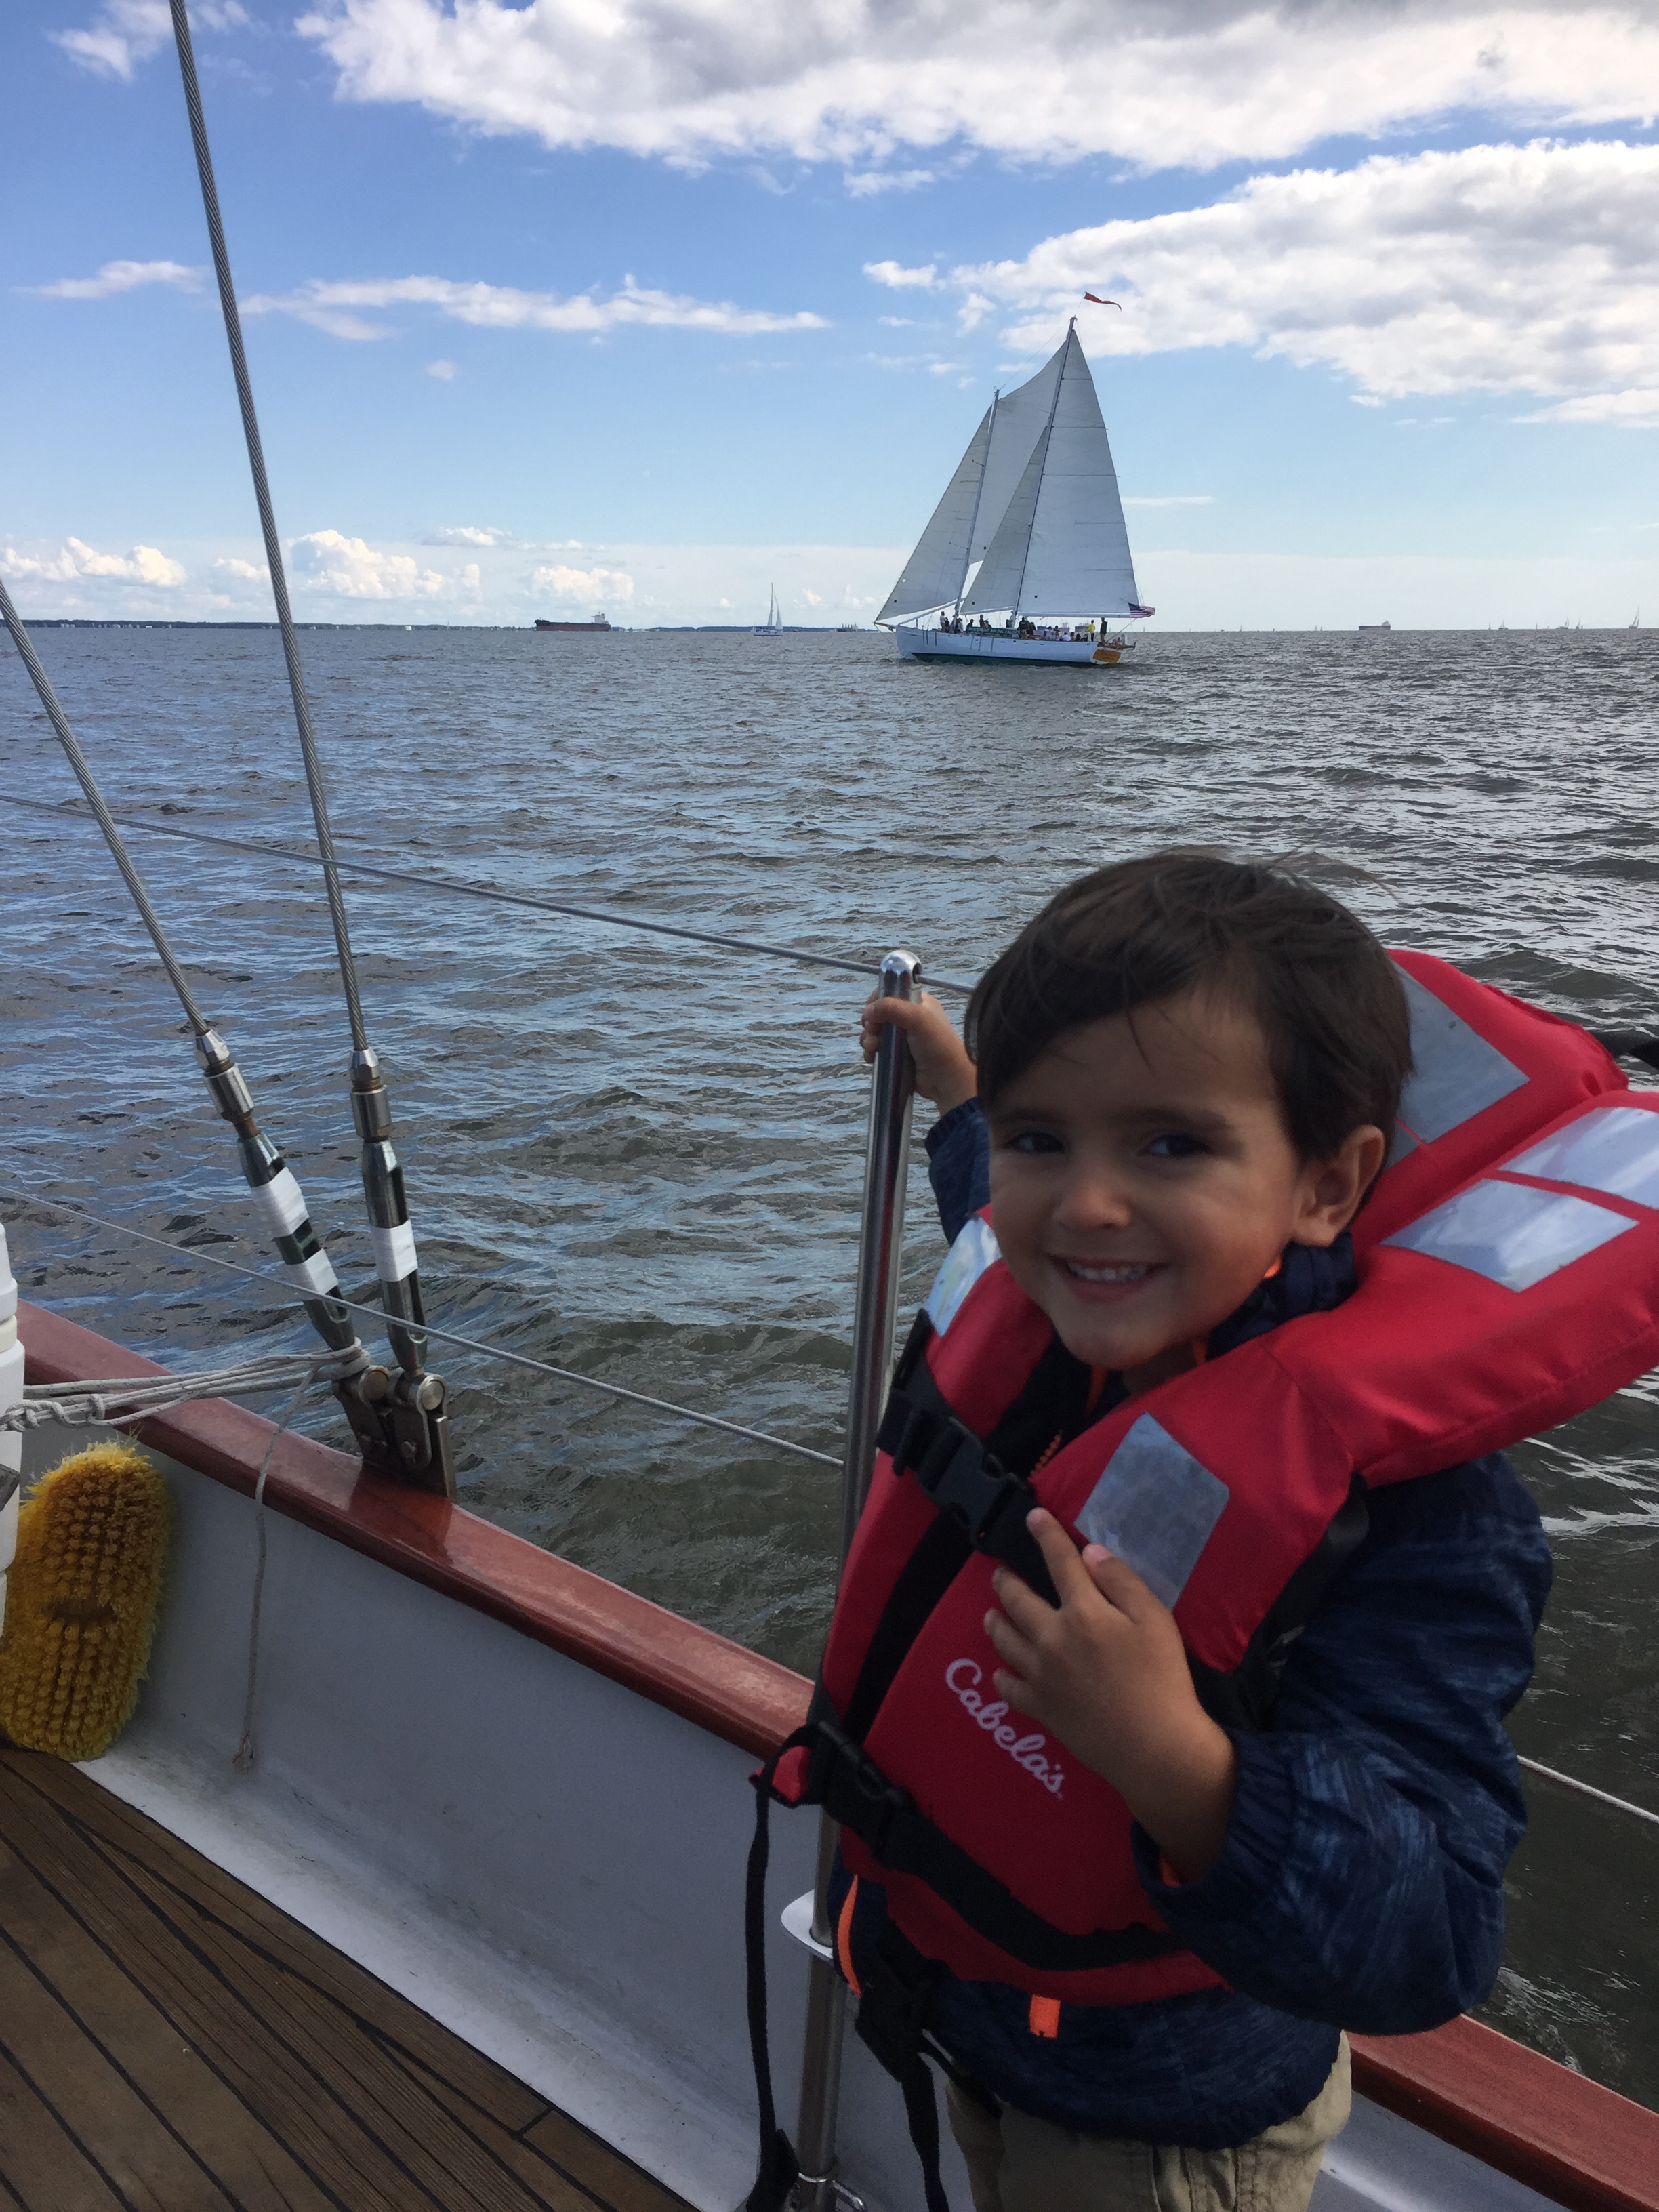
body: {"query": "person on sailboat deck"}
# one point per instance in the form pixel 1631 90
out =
pixel 1182 1076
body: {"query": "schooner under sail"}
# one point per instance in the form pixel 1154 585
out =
pixel 1026 557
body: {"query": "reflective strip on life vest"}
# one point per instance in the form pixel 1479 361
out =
pixel 1613 1148
pixel 975 1250
pixel 1455 1073
pixel 1510 1233
pixel 1154 1508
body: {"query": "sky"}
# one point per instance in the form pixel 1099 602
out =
pixel 646 305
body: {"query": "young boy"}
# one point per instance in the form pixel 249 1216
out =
pixel 1183 1080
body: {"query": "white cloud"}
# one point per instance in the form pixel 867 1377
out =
pixel 444 371
pixel 327 304
pixel 864 184
pixel 897 276
pixel 323 561
pixel 117 276
pixel 561 583
pixel 1176 499
pixel 1498 268
pixel 468 533
pixel 1631 410
pixel 243 572
pixel 125 33
pixel 74 560
pixel 1193 82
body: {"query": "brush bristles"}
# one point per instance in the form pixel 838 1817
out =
pixel 82 1600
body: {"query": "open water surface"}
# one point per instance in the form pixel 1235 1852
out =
pixel 642 1159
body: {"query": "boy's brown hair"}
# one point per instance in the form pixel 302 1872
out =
pixel 1328 999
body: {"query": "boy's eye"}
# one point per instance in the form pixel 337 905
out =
pixel 1034 1140
pixel 1175 1145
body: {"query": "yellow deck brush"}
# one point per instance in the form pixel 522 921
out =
pixel 81 1599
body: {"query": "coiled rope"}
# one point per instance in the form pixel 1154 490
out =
pixel 448 1335
pixel 457 886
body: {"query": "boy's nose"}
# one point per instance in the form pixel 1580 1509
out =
pixel 1093 1198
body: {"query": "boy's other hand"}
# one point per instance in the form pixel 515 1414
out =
pixel 1107 1672
pixel 943 1071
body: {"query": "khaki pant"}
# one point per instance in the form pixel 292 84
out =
pixel 1019 2164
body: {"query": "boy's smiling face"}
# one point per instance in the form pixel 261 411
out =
pixel 1142 1179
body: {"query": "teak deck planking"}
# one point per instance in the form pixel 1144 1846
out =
pixel 170 2042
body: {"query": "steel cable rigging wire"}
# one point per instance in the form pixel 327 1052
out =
pixel 447 1335
pixel 457 887
pixel 407 1426
pixel 233 322
pixel 275 1189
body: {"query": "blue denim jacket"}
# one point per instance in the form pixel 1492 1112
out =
pixel 1361 1884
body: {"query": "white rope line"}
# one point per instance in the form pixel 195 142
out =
pixel 447 1335
pixel 246 1755
pixel 122 1398
pixel 1588 1790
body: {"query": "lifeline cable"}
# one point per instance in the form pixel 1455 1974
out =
pixel 447 1335
pixel 456 885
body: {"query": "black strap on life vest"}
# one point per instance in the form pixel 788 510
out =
pixel 965 1479
pixel 776 2174
pixel 891 2021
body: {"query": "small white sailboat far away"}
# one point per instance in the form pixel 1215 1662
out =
pixel 773 626
pixel 1026 558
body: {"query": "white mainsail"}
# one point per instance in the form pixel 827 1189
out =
pixel 1061 547
pixel 933 574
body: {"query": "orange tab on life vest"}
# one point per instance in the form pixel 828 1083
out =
pixel 844 1939
pixel 1045 2017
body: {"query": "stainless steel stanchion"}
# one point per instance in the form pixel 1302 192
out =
pixel 874 1307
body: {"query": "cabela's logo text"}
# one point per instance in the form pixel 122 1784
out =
pixel 963 1677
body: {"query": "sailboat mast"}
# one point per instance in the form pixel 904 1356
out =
pixel 979 494
pixel 1048 431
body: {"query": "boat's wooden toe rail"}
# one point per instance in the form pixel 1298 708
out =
pixel 169 2040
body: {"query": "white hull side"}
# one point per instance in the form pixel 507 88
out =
pixel 916 644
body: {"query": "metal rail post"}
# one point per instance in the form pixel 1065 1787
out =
pixel 874 1306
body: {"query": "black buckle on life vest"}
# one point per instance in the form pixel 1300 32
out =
pixel 964 1481
pixel 843 1778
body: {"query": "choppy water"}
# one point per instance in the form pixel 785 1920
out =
pixel 642 1160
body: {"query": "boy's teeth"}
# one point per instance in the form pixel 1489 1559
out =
pixel 1130 1273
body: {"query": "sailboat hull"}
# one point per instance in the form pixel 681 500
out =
pixel 915 644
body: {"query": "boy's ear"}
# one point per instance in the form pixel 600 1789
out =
pixel 1332 1189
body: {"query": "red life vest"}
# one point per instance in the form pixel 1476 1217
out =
pixel 1508 1277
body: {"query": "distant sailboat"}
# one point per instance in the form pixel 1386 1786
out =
pixel 773 626
pixel 1026 558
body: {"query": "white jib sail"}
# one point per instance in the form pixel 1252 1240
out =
pixel 932 576
pixel 1061 547
pixel 1016 424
